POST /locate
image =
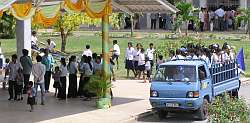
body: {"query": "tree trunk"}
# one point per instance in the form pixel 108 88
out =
pixel 64 39
pixel 186 33
pixel 248 28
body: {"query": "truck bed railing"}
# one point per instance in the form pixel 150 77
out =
pixel 224 71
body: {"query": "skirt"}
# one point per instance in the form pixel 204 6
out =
pixel 56 85
pixel 31 100
pixel 136 65
pixel 129 64
pixel 141 67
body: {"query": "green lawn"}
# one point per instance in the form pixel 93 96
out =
pixel 76 44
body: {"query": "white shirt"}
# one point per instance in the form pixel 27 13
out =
pixel 52 45
pixel 148 65
pixel 116 49
pixel 64 70
pixel 13 68
pixel 204 57
pixel 129 53
pixel 220 12
pixel 201 16
pixel 87 52
pixel 136 54
pixel 215 58
pixel 179 57
pixel 33 40
pixel 150 53
pixel 38 71
pixel 141 60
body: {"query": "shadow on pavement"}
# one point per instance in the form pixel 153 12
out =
pixel 171 118
pixel 18 111
pixel 121 100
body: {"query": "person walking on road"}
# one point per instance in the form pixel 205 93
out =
pixel 26 63
pixel 129 56
pixel 48 61
pixel 38 71
pixel 116 52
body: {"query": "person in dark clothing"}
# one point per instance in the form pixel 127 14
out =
pixel 81 69
pixel 72 68
pixel 63 79
pixel 88 71
pixel 48 61
pixel 13 70
pixel 26 63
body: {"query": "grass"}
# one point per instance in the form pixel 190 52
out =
pixel 76 45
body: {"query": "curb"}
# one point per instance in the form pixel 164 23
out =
pixel 139 116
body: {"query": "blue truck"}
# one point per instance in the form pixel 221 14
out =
pixel 190 85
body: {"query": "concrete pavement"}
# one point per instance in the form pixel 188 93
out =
pixel 130 100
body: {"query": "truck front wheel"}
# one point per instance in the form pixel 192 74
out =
pixel 162 114
pixel 202 112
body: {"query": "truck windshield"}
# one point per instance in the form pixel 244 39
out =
pixel 176 73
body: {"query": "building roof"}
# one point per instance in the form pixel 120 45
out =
pixel 135 6
pixel 144 6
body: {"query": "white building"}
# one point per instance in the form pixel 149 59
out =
pixel 216 3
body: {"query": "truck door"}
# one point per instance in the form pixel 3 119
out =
pixel 205 82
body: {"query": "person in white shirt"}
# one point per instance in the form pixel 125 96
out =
pixel 129 56
pixel 179 54
pixel 51 45
pixel 87 51
pixel 148 69
pixel 141 64
pixel 116 52
pixel 220 13
pixel 38 71
pixel 34 41
pixel 211 20
pixel 137 51
pixel 63 79
pixel 150 54
pixel 202 19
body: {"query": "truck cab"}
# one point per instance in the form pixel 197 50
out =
pixel 190 85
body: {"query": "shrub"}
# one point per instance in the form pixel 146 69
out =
pixel 228 110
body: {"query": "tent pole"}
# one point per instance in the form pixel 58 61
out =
pixel 105 44
pixel 132 26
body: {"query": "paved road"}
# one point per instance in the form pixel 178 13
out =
pixel 185 117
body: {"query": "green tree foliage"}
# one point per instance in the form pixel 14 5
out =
pixel 7 26
pixel 244 17
pixel 71 21
pixel 185 15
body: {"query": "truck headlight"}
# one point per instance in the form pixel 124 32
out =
pixel 193 94
pixel 154 93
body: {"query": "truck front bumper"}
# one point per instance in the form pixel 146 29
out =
pixel 183 104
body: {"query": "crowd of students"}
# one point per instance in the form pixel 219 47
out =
pixel 212 54
pixel 18 74
pixel 140 61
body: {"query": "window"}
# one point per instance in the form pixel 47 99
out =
pixel 202 73
pixel 176 73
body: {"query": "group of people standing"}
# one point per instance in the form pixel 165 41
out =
pixel 222 19
pixel 140 61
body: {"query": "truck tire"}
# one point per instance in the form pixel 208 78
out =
pixel 202 112
pixel 162 114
